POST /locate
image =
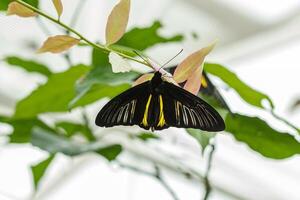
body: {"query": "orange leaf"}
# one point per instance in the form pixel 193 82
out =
pixel 14 8
pixel 187 67
pixel 193 83
pixel 117 22
pixel 143 78
pixel 58 6
pixel 58 43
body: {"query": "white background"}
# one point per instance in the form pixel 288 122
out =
pixel 259 40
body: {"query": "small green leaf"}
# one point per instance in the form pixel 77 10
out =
pixel 110 152
pixel 202 137
pixel 38 170
pixel 247 93
pixel 143 38
pixel 54 96
pixel 260 137
pixel 28 65
pixel 72 129
pixel 4 3
pixel 147 136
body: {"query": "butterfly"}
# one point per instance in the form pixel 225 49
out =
pixel 158 104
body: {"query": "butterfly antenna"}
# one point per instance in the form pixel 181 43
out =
pixel 141 56
pixel 171 59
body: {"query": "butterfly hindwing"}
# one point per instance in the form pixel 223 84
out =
pixel 183 109
pixel 126 108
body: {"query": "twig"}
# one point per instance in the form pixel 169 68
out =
pixel 206 175
pixel 285 121
pixel 81 37
pixel 164 183
pixel 156 175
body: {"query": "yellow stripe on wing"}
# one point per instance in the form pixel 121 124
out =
pixel 145 118
pixel 204 82
pixel 161 121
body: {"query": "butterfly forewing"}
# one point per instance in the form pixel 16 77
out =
pixel 126 108
pixel 183 109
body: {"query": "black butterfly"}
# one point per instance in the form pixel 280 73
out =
pixel 157 105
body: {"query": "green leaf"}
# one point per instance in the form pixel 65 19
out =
pixel 260 137
pixel 147 136
pixel 28 65
pixel 110 152
pixel 4 3
pixel 54 143
pixel 39 170
pixel 99 58
pixel 23 129
pixel 143 38
pixel 202 137
pixel 72 129
pixel 54 96
pixel 247 93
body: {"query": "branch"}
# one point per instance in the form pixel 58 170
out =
pixel 156 175
pixel 206 180
pixel 81 37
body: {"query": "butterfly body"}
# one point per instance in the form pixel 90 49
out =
pixel 157 105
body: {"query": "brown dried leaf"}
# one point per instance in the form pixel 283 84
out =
pixel 58 6
pixel 117 22
pixel 58 43
pixel 193 83
pixel 187 67
pixel 143 78
pixel 14 8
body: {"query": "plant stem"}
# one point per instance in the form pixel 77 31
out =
pixel 81 37
pixel 206 175
pixel 156 175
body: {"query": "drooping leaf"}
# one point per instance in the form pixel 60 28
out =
pixel 147 136
pixel 193 83
pixel 4 3
pixel 38 170
pixel 14 8
pixel 247 93
pixel 143 38
pixel 28 65
pixel 117 22
pixel 202 137
pixel 260 137
pixel 71 128
pixel 22 129
pixel 189 65
pixel 54 96
pixel 143 78
pixel 54 143
pixel 58 44
pixel 118 63
pixel 110 152
pixel 58 6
